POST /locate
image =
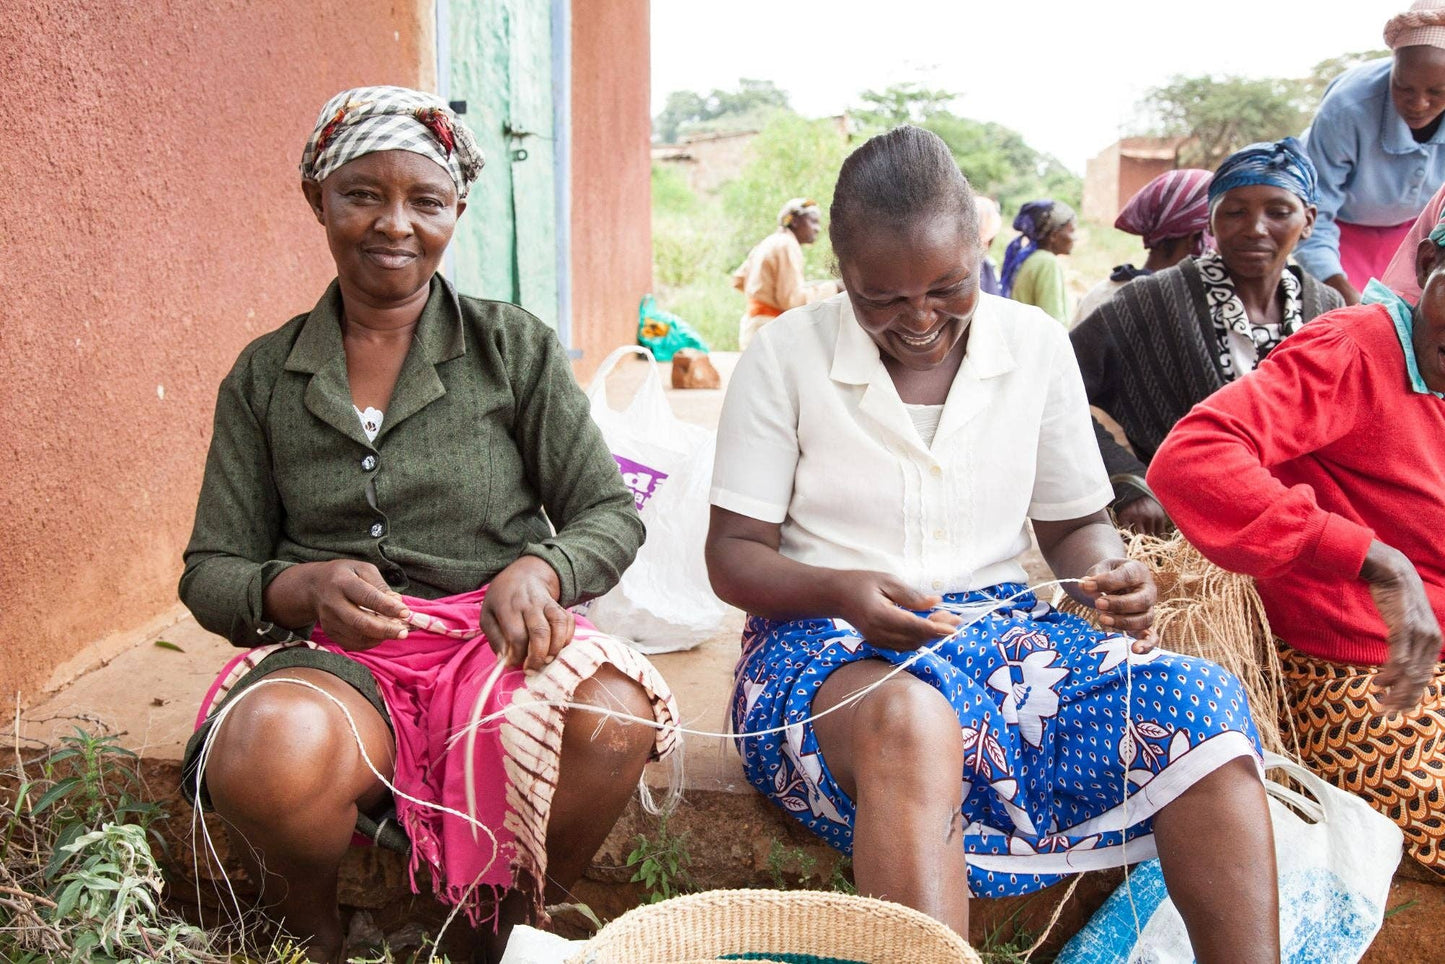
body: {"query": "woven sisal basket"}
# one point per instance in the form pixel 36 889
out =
pixel 783 927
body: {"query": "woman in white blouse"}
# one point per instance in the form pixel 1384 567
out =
pixel 880 456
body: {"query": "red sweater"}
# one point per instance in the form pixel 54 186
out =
pixel 1288 474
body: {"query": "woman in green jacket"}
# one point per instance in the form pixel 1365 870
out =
pixel 404 493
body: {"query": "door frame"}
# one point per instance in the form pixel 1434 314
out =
pixel 561 19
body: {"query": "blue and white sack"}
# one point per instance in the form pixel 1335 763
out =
pixel 1335 869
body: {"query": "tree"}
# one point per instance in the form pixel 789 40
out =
pixel 754 102
pixel 996 159
pixel 1222 115
pixel 682 107
pixel 907 103
pixel 1327 70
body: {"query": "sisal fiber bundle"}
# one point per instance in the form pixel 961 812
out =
pixel 1217 615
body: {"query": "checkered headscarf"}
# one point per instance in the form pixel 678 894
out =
pixel 366 119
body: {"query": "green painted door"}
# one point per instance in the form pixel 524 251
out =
pixel 501 66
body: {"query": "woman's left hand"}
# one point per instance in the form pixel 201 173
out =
pixel 521 617
pixel 1124 593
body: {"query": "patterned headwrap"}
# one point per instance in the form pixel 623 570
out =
pixel 368 119
pixel 1173 205
pixel 1422 26
pixel 1035 222
pixel 797 208
pixel 1280 164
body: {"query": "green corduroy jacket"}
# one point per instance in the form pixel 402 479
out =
pixel 485 432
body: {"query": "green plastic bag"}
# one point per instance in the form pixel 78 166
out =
pixel 663 333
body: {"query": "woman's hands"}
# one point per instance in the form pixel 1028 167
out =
pixel 1414 633
pixel 349 601
pixel 877 605
pixel 1123 592
pixel 1145 515
pixel 521 617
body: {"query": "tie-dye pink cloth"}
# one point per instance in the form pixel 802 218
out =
pixel 430 682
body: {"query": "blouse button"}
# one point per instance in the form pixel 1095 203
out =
pixel 937 470
pixel 938 534
pixel 938 584
pixel 369 463
pixel 377 529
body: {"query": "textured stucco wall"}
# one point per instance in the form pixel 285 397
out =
pixel 152 224
pixel 611 175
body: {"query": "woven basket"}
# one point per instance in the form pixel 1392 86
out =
pixel 782 927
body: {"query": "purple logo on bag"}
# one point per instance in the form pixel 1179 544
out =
pixel 641 479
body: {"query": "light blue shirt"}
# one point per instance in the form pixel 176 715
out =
pixel 1404 318
pixel 1370 168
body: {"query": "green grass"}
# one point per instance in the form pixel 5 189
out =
pixel 1097 249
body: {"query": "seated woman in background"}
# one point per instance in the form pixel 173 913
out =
pixel 772 278
pixel 1031 270
pixel 401 438
pixel 1169 340
pixel 1320 475
pixel 1171 214
pixel 880 457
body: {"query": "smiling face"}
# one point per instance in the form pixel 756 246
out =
pixel 914 289
pixel 1428 332
pixel 1417 85
pixel 389 216
pixel 1257 226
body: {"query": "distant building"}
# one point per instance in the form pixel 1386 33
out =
pixel 1116 173
pixel 707 160
pixel 710 159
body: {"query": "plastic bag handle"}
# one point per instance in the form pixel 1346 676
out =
pixel 597 390
pixel 1309 806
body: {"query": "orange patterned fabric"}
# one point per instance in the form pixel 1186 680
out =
pixel 1395 761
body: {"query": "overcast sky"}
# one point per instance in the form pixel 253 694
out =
pixel 1067 75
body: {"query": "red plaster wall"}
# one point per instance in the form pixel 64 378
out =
pixel 611 175
pixel 151 225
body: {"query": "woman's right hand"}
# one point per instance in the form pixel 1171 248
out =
pixel 877 605
pixel 1414 632
pixel 348 599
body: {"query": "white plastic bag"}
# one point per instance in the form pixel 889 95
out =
pixel 1334 877
pixel 664 602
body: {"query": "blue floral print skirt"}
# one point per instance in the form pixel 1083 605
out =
pixel 1041 698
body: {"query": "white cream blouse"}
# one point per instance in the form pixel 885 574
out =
pixel 814 436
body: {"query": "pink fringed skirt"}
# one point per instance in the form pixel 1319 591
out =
pixel 430 682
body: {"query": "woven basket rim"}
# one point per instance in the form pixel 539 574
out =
pixel 701 927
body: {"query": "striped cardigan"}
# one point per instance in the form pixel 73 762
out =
pixel 1149 354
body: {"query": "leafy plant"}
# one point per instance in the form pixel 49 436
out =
pixel 426 954
pixel 784 862
pixel 662 863
pixel 78 879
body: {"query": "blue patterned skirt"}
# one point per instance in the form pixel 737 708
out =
pixel 1041 698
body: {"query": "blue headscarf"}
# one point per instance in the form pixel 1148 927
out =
pixel 1036 221
pixel 1281 164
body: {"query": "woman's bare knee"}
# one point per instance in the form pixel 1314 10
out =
pixel 283 748
pixel 606 739
pixel 909 722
